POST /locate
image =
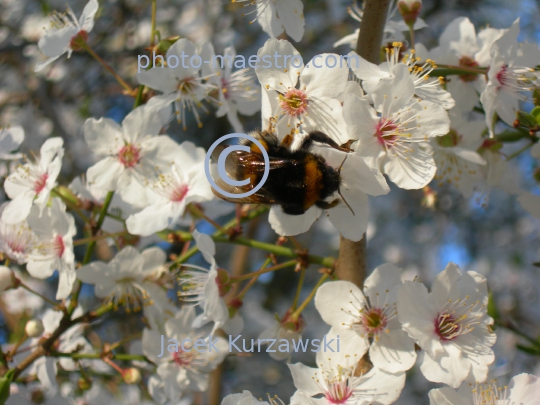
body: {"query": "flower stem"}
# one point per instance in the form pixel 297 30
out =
pixel 264 270
pixel 153 26
pixel 253 280
pixel 299 288
pixel 296 314
pixel 107 67
pixel 54 304
pixel 99 237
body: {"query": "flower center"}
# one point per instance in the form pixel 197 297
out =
pixel 386 132
pixel 179 193
pixel 339 391
pixel 374 320
pixel 40 183
pixel 502 75
pixel 182 358
pixel 59 246
pixel 187 85
pixel 294 102
pixel 468 62
pixel 129 155
pixel 225 88
pixel 489 394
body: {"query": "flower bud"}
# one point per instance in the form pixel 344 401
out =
pixel 33 328
pixel 525 119
pixel 7 279
pixel 409 10
pixel 84 384
pixel 131 375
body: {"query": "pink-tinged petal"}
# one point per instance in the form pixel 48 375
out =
pixel 162 151
pixel 289 225
pixel 139 123
pixel 159 78
pixel 272 72
pixel 158 103
pixel 49 150
pixel 351 222
pixel 206 246
pixel 416 316
pixel 42 65
pixel 325 81
pixel 393 94
pixel 524 389
pixel 266 16
pixel 10 140
pixel 65 284
pixel 180 326
pixel 87 17
pixel 54 43
pixel 291 16
pixel 153 218
pixel 360 117
pixel 185 67
pixel 326 115
pixel 451 369
pixel 463 93
pixel 393 351
pixel 40 268
pixel 412 173
pixel 152 259
pixel 460 37
pixel 384 387
pixel 446 396
pixel 152 347
pixel 105 174
pixel 103 136
pixel 365 70
pixel 303 378
pixel 339 302
pixel 19 208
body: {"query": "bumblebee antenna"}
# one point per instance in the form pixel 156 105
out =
pixel 339 188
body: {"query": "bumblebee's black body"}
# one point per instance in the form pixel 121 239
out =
pixel 296 181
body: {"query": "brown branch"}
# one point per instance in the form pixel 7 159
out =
pixel 351 264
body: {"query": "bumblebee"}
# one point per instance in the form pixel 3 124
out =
pixel 296 180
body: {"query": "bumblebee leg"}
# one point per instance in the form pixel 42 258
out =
pixel 327 205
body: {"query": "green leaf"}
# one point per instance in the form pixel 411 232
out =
pixel 512 135
pixel 527 120
pixel 5 382
pixel 529 350
pixel 536 114
pixel 492 308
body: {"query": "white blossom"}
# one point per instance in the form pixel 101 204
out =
pixel 369 319
pixel 128 279
pixel 10 140
pixel 298 97
pixel 132 154
pixel 278 16
pixel 182 85
pixel 182 366
pixel 53 248
pixel 450 324
pixel 336 378
pixel 523 389
pixel 32 182
pixel 394 135
pixel 65 26
pixel 184 183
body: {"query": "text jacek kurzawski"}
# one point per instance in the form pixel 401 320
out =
pixel 251 345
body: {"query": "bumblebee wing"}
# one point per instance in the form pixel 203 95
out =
pixel 261 196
